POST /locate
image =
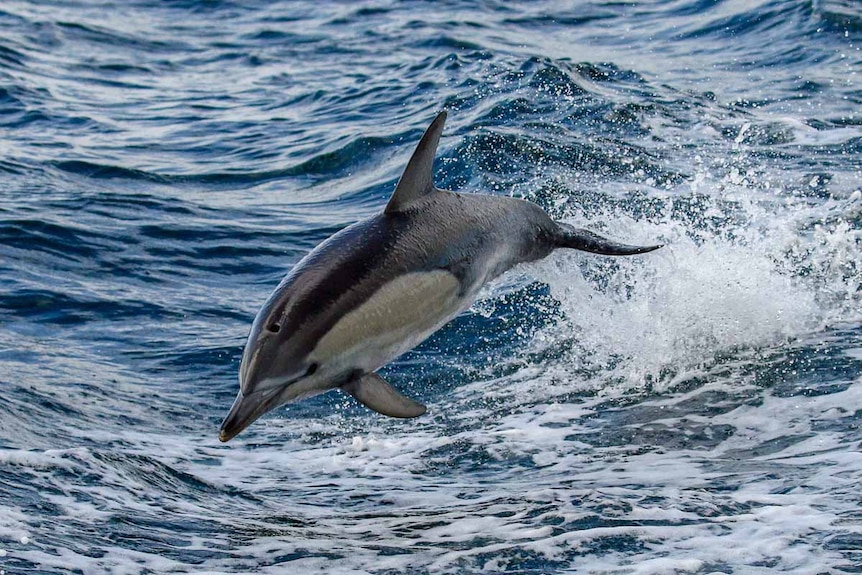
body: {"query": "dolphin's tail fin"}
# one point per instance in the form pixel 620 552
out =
pixel 580 239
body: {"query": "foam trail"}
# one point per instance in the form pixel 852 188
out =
pixel 770 272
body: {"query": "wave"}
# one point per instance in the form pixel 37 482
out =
pixel 346 157
pixel 164 165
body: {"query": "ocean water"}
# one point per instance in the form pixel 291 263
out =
pixel 692 410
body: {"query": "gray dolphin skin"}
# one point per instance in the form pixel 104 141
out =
pixel 381 286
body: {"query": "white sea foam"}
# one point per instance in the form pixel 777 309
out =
pixel 688 508
pixel 772 271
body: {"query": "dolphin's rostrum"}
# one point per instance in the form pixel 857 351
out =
pixel 381 286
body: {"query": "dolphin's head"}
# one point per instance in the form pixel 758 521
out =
pixel 274 368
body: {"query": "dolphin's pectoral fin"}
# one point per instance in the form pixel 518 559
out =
pixel 580 239
pixel 375 393
pixel 418 179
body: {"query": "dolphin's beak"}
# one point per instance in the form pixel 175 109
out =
pixel 245 409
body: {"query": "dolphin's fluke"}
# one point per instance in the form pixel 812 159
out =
pixel 375 393
pixel 580 239
pixel 418 179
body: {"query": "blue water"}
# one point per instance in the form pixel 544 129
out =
pixel 694 410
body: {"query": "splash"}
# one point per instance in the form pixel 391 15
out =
pixel 741 270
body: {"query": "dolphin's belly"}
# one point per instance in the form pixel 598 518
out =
pixel 396 318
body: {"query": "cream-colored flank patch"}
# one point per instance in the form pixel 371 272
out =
pixel 398 316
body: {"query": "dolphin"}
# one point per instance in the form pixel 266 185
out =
pixel 379 287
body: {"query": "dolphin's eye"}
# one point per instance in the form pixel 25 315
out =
pixel 311 369
pixel 274 327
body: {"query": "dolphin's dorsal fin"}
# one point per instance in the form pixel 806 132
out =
pixel 418 179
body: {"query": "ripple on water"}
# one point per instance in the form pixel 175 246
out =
pixel 694 410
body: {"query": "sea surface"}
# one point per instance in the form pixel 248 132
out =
pixel 693 410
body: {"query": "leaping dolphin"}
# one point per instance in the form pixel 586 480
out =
pixel 382 285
